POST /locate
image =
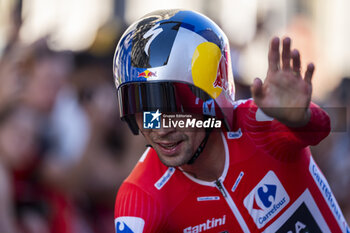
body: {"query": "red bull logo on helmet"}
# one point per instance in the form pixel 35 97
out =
pixel 147 74
pixel 205 61
pixel 221 78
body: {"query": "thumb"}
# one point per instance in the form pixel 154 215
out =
pixel 257 89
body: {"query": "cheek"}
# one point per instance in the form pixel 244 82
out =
pixel 147 136
pixel 195 138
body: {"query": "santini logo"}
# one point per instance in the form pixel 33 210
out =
pixel 151 120
pixel 129 225
pixel 209 224
pixel 266 200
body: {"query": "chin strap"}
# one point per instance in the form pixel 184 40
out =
pixel 201 146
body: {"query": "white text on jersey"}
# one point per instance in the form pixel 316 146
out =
pixel 209 224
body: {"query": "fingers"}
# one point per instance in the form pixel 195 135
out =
pixel 296 62
pixel 257 89
pixel 286 54
pixel 274 55
pixel 309 72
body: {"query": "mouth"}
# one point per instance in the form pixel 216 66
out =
pixel 169 148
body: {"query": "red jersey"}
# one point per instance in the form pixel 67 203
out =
pixel 270 183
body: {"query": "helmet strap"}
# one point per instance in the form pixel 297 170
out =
pixel 201 146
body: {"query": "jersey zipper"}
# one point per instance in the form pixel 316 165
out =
pixel 220 186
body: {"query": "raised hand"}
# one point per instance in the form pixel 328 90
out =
pixel 285 95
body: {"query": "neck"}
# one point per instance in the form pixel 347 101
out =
pixel 211 162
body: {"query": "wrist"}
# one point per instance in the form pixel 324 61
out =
pixel 301 122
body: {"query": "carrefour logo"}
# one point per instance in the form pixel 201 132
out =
pixel 327 193
pixel 128 224
pixel 265 192
pixel 266 199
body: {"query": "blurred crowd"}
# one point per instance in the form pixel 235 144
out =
pixel 63 148
pixel 64 151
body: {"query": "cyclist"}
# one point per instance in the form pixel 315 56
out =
pixel 246 166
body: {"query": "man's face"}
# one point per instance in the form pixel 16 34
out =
pixel 174 146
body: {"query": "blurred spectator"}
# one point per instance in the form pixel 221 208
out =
pixel 333 154
pixel 19 151
pixel 13 73
pixel 110 152
pixel 36 77
pixel 63 130
pixel 64 179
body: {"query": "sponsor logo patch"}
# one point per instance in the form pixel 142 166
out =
pixel 301 221
pixel 147 74
pixel 266 200
pixel 127 224
pixel 302 216
pixel 209 198
pixel 326 191
pixel 165 178
pixel 237 181
pixel 234 134
pixel 209 107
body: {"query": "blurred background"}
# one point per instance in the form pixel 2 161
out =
pixel 64 151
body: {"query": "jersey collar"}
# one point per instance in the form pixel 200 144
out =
pixel 224 173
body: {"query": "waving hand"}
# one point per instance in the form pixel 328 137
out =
pixel 285 94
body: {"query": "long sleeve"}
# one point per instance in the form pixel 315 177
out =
pixel 278 139
pixel 136 211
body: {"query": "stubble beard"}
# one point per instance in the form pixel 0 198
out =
pixel 177 160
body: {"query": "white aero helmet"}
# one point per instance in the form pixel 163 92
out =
pixel 175 61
